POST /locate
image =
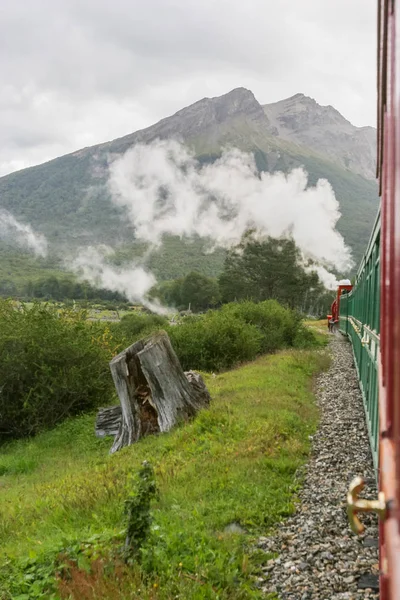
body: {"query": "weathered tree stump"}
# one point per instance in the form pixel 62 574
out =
pixel 154 392
pixel 108 421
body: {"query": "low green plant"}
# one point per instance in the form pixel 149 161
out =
pixel 19 466
pixel 236 333
pixel 222 338
pixel 277 325
pixel 137 510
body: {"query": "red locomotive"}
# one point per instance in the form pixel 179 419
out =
pixel 333 318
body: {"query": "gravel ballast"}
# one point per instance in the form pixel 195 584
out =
pixel 318 555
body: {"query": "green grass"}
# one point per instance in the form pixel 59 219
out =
pixel 320 330
pixel 106 314
pixel 235 463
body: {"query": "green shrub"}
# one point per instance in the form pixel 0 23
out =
pixel 215 341
pixel 137 510
pixel 52 365
pixel 131 327
pixel 305 338
pixel 238 332
pixel 277 325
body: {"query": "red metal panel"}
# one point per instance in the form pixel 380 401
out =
pixel 389 393
pixel 335 308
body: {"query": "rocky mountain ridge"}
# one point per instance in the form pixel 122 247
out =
pixel 302 120
pixel 68 200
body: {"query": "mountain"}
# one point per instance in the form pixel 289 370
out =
pixel 323 129
pixel 68 201
pixel 208 123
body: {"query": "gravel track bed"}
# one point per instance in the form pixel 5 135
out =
pixel 319 556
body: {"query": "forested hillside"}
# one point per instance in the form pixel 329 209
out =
pixel 68 200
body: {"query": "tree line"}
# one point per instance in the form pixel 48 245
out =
pixel 256 269
pixel 60 289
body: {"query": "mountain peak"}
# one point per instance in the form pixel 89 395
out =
pixel 203 118
pixel 300 103
pixel 238 92
pixel 302 120
pixel 238 100
pixel 300 98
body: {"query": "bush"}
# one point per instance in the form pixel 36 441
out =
pixel 222 338
pixel 131 327
pixel 277 325
pixel 305 338
pixel 137 510
pixel 51 366
pixel 214 341
pixel 237 332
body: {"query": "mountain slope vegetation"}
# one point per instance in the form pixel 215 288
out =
pixel 68 199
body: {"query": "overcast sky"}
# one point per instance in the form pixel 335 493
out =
pixel 79 72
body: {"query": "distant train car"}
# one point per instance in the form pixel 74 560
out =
pixel 344 287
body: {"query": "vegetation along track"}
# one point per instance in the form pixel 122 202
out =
pixel 317 556
pixel 224 479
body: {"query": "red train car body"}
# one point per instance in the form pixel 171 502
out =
pixel 333 318
pixel 388 171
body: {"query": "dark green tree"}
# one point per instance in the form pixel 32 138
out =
pixel 7 288
pixel 259 269
pixel 199 291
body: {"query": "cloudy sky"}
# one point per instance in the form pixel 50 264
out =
pixel 78 72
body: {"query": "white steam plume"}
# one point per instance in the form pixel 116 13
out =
pixel 328 279
pixel 134 282
pixel 166 191
pixel 22 234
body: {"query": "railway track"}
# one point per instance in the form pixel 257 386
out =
pixel 318 557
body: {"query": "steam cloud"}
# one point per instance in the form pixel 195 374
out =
pixel 165 190
pixel 22 234
pixel 134 282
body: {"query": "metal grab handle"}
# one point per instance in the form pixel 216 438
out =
pixel 355 505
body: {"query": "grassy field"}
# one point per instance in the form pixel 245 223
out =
pixel 104 314
pixel 319 328
pixel 94 313
pixel 63 494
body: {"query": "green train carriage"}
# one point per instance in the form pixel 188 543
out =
pixel 358 318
